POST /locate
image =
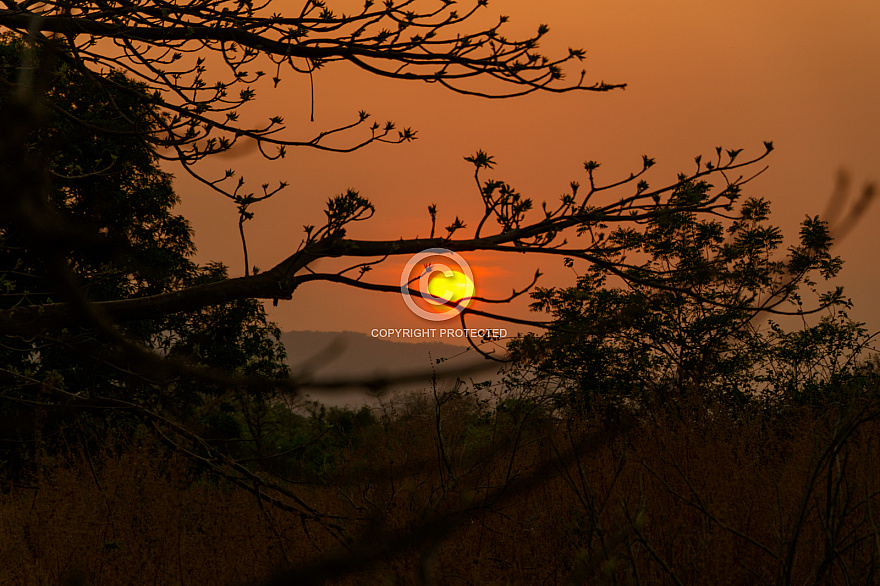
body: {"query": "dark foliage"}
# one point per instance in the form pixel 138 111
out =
pixel 690 318
pixel 107 189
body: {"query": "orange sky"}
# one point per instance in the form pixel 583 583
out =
pixel 805 75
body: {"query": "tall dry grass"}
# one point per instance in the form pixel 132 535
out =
pixel 439 493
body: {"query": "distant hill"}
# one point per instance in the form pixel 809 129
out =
pixel 354 356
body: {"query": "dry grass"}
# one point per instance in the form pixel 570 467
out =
pixel 670 500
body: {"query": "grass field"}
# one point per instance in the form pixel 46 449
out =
pixel 437 492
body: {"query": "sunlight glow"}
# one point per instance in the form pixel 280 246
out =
pixel 452 286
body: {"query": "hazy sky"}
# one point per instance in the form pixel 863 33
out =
pixel 804 74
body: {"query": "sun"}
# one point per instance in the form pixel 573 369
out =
pixel 450 287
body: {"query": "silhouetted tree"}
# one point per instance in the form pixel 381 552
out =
pixel 191 110
pixel 684 316
pixel 108 187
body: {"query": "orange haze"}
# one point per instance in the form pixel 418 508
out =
pixel 804 74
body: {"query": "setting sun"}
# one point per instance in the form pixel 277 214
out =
pixel 452 286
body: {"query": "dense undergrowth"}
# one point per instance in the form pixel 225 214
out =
pixel 437 490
